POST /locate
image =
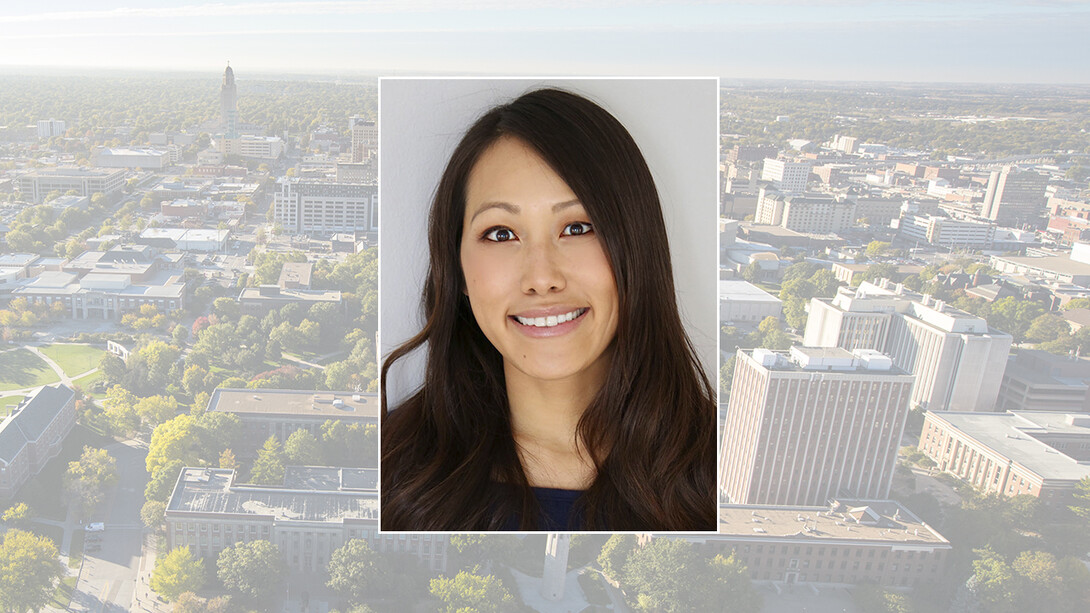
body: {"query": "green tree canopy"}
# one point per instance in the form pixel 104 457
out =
pixel 29 567
pixel 356 571
pixel 253 569
pixel 177 572
pixel 268 468
pixel 472 592
pixel 87 479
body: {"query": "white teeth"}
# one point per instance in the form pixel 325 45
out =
pixel 549 321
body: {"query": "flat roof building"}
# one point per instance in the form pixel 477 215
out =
pixel 840 544
pixel 1039 453
pixel 315 512
pixel 326 207
pixel 1037 380
pixel 273 412
pixel 812 424
pixel 36 185
pixel 741 301
pixel 260 300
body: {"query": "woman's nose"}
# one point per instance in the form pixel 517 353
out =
pixel 542 270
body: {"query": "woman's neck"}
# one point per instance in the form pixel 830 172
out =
pixel 544 420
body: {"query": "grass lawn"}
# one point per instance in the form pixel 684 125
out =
pixel 62 597
pixel 74 359
pixel 5 401
pixel 20 368
pixel 87 381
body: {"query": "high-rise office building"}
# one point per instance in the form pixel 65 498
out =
pixel 785 175
pixel 325 207
pixel 48 128
pixel 1015 197
pixel 364 138
pixel 957 359
pixel 811 425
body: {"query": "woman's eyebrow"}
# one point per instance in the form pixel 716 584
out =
pixel 515 210
pixel 510 208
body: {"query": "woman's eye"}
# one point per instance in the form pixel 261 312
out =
pixel 578 228
pixel 499 235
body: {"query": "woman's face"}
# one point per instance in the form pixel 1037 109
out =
pixel 538 280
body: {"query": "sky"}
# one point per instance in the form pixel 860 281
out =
pixel 994 41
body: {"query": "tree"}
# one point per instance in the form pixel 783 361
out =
pixel 268 468
pixel 153 513
pixel 662 575
pixel 729 582
pixel 226 309
pixel 87 479
pixel 174 440
pixel 119 407
pixel 879 271
pixel 471 592
pixel 188 602
pixel 29 567
pixel 356 570
pixel 615 554
pixel 993 581
pixel 877 248
pixel 302 448
pixel 253 569
pixel 473 549
pixel 162 481
pixel 154 410
pixel 1047 327
pixel 227 460
pixel 18 515
pixel 1081 495
pixel 177 572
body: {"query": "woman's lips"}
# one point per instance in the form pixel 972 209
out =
pixel 548 322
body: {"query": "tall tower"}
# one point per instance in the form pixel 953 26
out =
pixel 816 424
pixel 229 103
pixel 1015 197
pixel 556 566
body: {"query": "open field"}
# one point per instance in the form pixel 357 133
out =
pixel 74 359
pixel 20 368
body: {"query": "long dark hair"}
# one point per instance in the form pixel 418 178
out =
pixel 449 461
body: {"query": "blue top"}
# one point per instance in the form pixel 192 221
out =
pixel 555 510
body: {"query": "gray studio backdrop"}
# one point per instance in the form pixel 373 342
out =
pixel 674 122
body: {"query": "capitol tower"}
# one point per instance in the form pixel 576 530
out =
pixel 229 103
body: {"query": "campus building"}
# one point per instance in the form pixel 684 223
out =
pixel 36 185
pixel 258 301
pixel 1015 197
pixel 33 433
pixel 785 175
pixel 808 214
pixel 279 413
pixel 743 302
pixel 315 512
pixel 325 207
pixel 1039 453
pixel 812 424
pixel 840 544
pixel 955 356
pixel 1037 380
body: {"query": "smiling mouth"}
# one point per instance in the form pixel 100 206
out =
pixel 551 320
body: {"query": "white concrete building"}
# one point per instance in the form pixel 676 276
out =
pixel 785 175
pixel 325 207
pixel 743 302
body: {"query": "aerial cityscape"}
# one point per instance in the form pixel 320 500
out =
pixel 188 357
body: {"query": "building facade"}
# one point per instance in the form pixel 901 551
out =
pixel 33 434
pixel 279 413
pixel 812 425
pixel 840 544
pixel 36 185
pixel 313 514
pixel 786 175
pixel 324 207
pixel 1041 454
pixel 1037 380
pixel 1015 197
pixel 955 356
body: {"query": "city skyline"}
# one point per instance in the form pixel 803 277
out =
pixel 1022 41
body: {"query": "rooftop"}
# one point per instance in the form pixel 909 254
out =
pixel 1011 435
pixel 884 521
pixel 1061 264
pixel 742 291
pixel 213 490
pixel 30 419
pixel 330 405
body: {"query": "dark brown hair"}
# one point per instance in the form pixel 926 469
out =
pixel 449 461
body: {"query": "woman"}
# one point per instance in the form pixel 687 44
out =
pixel 560 389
